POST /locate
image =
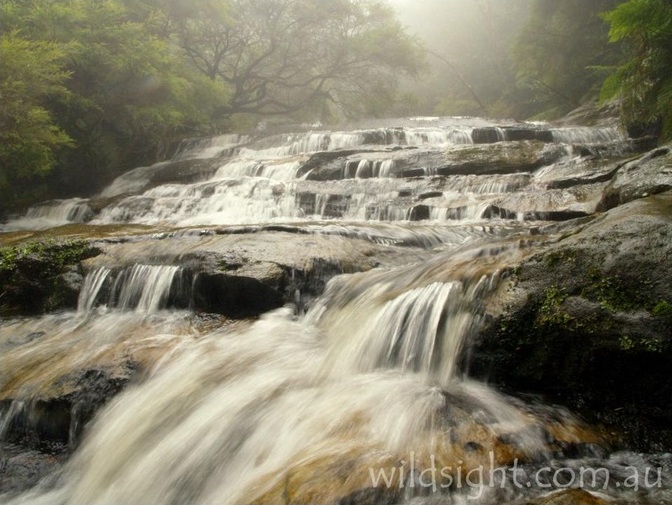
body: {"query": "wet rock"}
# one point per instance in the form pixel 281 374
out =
pixel 500 158
pixel 550 205
pixel 587 322
pixel 329 165
pixel 241 292
pixel 61 412
pixel 246 274
pixel 41 276
pixel 141 179
pixel 569 497
pixel 21 469
pixel 431 194
pixel 646 175
pixel 420 213
pixel 487 135
pixel 513 133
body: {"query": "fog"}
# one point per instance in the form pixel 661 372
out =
pixel 468 46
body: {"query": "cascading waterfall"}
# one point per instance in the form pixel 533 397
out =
pixel 51 214
pixel 235 189
pixel 144 288
pixel 236 417
pixel 588 135
pixel 208 147
pixel 348 402
pixel 89 292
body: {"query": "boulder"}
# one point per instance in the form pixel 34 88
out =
pixel 586 321
pixel 648 174
pixel 41 276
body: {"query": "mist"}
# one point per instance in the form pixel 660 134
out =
pixel 469 66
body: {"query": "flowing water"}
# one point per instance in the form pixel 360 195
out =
pixel 358 395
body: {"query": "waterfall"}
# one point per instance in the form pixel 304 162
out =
pixel 586 135
pixel 425 136
pixel 52 214
pixel 233 417
pixel 143 288
pixel 208 147
pixel 89 292
pixel 394 250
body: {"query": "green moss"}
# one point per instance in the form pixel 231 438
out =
pixel 626 343
pixel 549 312
pixel 654 345
pixel 662 308
pixel 561 257
pixel 29 274
pixel 612 293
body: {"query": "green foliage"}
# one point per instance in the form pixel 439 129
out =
pixel 561 54
pixel 662 308
pixel 121 81
pixel 297 56
pixel 128 94
pixel 30 275
pixel 627 343
pixel 644 79
pixel 31 73
pixel 612 293
pixel 57 255
pixel 549 312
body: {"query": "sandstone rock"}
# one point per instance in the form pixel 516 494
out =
pixel 570 497
pixel 587 322
pixel 646 175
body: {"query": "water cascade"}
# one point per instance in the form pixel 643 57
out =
pixel 382 251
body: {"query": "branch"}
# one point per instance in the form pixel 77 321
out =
pixel 462 80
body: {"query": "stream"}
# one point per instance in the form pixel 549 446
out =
pixel 295 314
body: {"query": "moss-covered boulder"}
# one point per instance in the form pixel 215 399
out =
pixel 587 322
pixel 648 174
pixel 41 276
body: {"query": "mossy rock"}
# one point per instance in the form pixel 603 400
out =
pixel 588 320
pixel 40 277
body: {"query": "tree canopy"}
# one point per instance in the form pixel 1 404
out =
pixel 644 79
pixel 31 73
pixel 282 56
pixel 118 82
pixel 560 55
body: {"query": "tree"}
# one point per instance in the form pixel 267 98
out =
pixel 559 54
pixel 121 81
pixel 30 74
pixel 644 79
pixel 130 93
pixel 282 56
pixel 470 70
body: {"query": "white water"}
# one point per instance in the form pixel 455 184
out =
pixel 51 214
pixel 587 135
pixel 305 410
pixel 238 192
pixel 233 416
pixel 209 147
pixel 294 409
pixel 143 288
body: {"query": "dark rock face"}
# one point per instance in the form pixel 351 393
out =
pixel 646 175
pixel 61 419
pixel 21 469
pixel 42 432
pixel 588 322
pixel 41 277
pixel 245 274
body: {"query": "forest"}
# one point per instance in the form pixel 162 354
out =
pixel 91 88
